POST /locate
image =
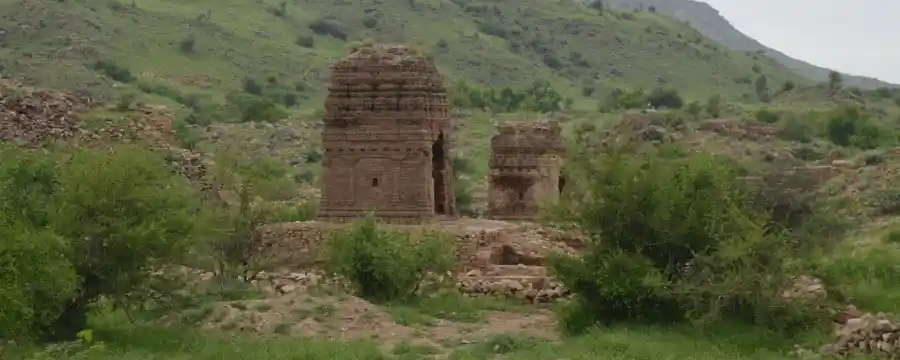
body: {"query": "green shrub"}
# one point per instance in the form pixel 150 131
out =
pixel 387 265
pixel 892 237
pixel 620 99
pixel 797 129
pixel 849 126
pixel 187 45
pixel 788 86
pixel 255 108
pixel 767 116
pixel 678 241
pixel 665 98
pixel 886 202
pixel 305 41
pixel 714 106
pixel 694 109
pixel 325 27
pixel 114 71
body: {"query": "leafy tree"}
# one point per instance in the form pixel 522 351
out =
pixel 835 80
pixel 597 5
pixel 620 99
pixel 714 106
pixel 85 225
pixel 251 186
pixel 694 109
pixel 762 88
pixel 126 202
pixel 542 97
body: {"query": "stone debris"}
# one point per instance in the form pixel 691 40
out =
pixel 860 334
pixel 31 116
pixel 805 287
pixel 736 128
pixel 529 283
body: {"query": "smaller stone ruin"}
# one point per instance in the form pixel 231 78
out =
pixel 525 168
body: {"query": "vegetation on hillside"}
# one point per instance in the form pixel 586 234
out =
pixel 236 60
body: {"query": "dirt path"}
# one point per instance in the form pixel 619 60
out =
pixel 346 318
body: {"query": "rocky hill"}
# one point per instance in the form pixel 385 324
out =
pixel 708 21
pixel 211 51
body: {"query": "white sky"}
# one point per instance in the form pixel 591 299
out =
pixel 866 32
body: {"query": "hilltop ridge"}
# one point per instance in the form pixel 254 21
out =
pixel 710 22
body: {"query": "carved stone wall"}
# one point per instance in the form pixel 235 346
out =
pixel 386 138
pixel 525 167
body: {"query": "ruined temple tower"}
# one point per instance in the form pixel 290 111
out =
pixel 526 160
pixel 386 138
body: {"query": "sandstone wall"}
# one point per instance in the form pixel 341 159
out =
pixel 385 129
pixel 525 167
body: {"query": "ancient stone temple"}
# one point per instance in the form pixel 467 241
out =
pixel 525 164
pixel 386 138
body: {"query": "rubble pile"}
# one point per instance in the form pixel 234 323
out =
pixel 509 262
pixel 858 333
pixel 529 283
pixel 31 116
pixel 147 124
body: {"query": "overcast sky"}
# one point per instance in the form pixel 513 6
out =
pixel 865 32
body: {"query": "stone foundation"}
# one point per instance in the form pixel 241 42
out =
pixel 494 257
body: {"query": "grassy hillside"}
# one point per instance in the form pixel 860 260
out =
pixel 710 23
pixel 178 49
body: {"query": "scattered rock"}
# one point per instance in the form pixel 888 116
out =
pixel 31 116
pixel 865 334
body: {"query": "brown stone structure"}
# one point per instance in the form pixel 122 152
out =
pixel 525 167
pixel 386 138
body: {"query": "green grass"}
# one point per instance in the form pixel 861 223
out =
pixel 488 42
pixel 623 343
pixel 452 307
pixel 124 341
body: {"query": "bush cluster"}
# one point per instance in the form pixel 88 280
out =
pixel 540 97
pixel 638 99
pixel 387 265
pixel 675 238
